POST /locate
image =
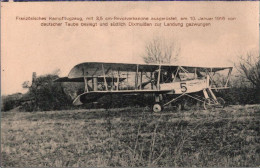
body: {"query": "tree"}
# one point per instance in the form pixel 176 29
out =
pixel 161 51
pixel 249 68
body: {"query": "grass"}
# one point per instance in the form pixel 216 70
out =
pixel 132 137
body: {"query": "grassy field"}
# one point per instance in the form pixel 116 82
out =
pixel 132 137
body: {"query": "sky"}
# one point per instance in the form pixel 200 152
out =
pixel 27 47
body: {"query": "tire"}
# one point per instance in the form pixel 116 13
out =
pixel 221 102
pixel 157 108
pixel 208 104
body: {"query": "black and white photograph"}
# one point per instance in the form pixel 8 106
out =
pixel 130 84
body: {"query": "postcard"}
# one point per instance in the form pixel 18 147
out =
pixel 130 83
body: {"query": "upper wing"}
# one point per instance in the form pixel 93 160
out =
pixel 95 69
pixel 202 69
pixel 81 79
pixel 98 68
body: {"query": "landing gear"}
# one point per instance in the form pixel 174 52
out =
pixel 192 101
pixel 157 108
pixel 221 102
pixel 210 103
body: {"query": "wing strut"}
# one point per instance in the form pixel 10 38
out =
pixel 159 76
pixel 176 73
pixel 136 77
pixel 229 72
pixel 117 80
pixel 105 81
pixel 141 80
pixel 151 80
pixel 86 84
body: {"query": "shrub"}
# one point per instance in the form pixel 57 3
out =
pixel 239 95
pixel 11 101
pixel 47 95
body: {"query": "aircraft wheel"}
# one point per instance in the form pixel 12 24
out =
pixel 221 102
pixel 208 104
pixel 157 108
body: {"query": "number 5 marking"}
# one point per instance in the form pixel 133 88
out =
pixel 183 87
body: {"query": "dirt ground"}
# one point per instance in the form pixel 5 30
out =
pixel 132 137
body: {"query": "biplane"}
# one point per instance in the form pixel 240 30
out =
pixel 176 81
